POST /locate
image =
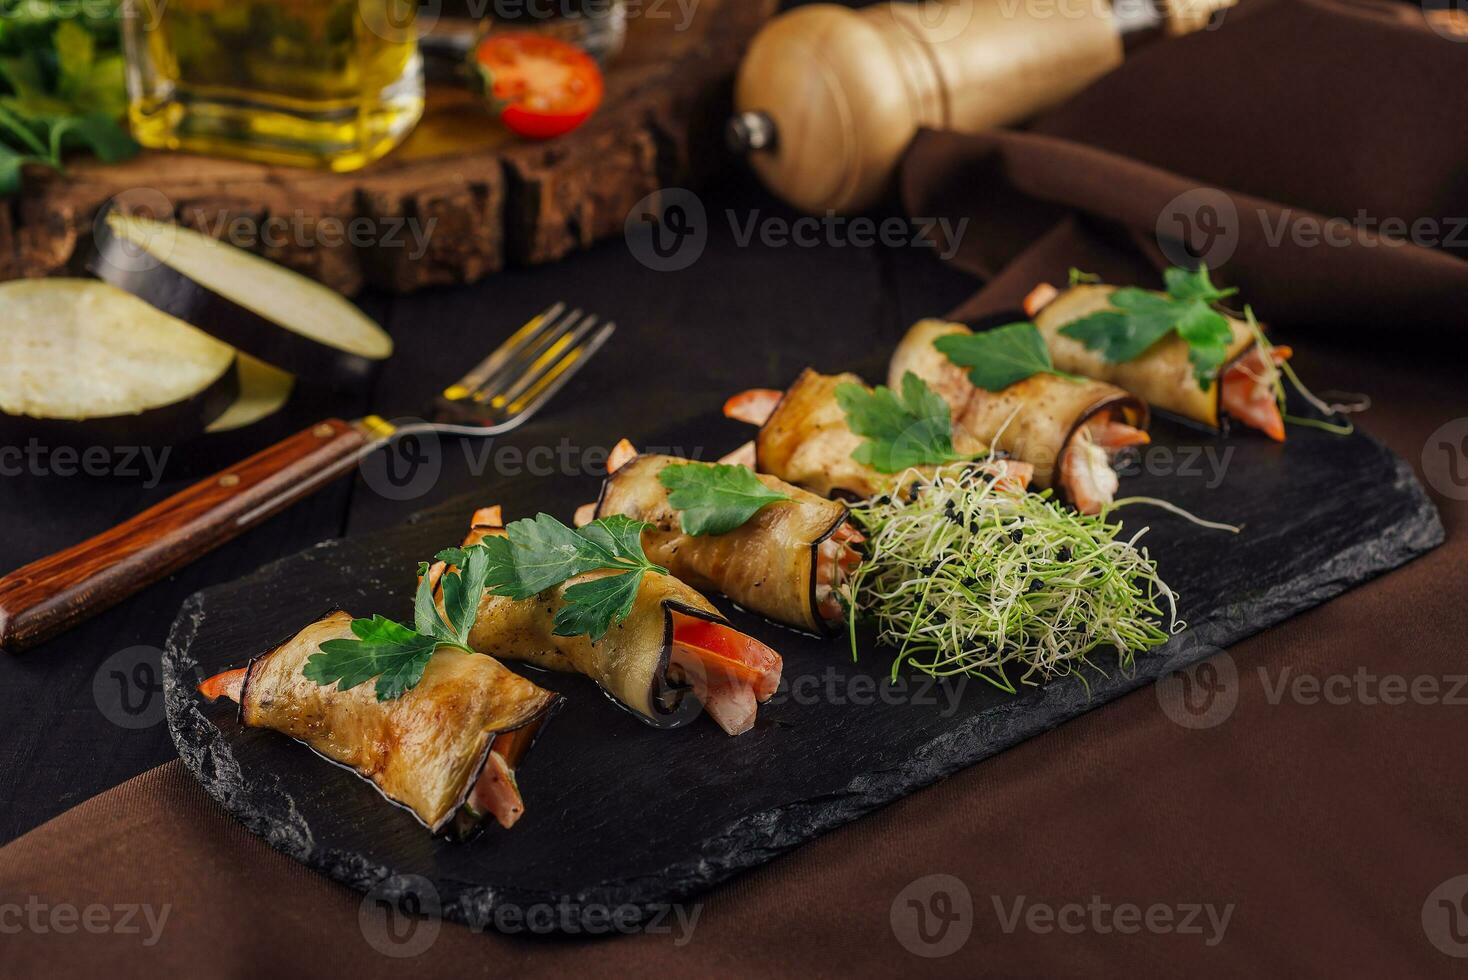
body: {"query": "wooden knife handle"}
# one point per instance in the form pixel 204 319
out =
pixel 52 594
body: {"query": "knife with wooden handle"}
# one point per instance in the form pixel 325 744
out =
pixel 54 593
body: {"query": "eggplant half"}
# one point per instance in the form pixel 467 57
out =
pixel 251 303
pixel 446 750
pixel 786 563
pixel 88 364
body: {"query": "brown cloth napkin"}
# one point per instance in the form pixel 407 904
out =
pixel 1331 824
pixel 1245 141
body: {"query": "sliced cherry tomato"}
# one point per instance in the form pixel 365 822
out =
pixel 726 650
pixel 548 87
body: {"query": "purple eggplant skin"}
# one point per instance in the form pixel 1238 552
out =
pixel 166 425
pixel 115 262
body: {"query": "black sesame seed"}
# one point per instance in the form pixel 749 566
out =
pixel 1064 554
pixel 1016 535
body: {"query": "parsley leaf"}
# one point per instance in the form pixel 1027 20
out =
pixel 541 553
pixel 61 86
pixel 389 651
pixel 593 606
pixel 914 429
pixel 396 654
pixel 715 498
pixel 1141 318
pixel 999 357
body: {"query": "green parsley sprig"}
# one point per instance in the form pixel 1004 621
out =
pixel 914 428
pixel 61 86
pixel 540 553
pixel 397 654
pixel 715 498
pixel 1141 318
pixel 537 554
pixel 1000 357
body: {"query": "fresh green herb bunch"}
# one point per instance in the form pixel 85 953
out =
pixel 61 84
pixel 966 577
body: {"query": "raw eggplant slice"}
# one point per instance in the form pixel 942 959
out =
pixel 263 391
pixel 264 309
pixel 88 364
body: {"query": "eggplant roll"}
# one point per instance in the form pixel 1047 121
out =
pixel 807 442
pixel 429 749
pixel 1162 376
pixel 631 663
pixel 785 563
pixel 1035 420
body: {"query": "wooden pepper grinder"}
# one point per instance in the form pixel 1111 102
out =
pixel 828 97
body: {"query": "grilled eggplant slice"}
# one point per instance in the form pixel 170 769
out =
pixel 672 657
pixel 1163 376
pixel 804 439
pixel 446 750
pixel 785 563
pixel 807 442
pixel 264 309
pixel 1064 428
pixel 86 363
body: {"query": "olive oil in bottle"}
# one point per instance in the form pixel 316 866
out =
pixel 328 83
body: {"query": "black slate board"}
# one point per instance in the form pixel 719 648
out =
pixel 621 818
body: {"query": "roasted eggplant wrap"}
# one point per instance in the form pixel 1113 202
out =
pixel 671 657
pixel 1065 428
pixel 785 563
pixel 805 439
pixel 807 442
pixel 445 748
pixel 1162 376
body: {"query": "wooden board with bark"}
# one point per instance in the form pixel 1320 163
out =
pixel 460 199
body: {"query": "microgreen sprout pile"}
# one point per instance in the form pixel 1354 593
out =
pixel 964 576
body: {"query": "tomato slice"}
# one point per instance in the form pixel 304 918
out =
pixel 727 651
pixel 547 87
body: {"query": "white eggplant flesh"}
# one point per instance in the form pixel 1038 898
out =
pixel 84 361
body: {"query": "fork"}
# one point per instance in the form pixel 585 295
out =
pixel 501 393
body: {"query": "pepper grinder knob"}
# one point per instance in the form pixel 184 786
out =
pixel 750 132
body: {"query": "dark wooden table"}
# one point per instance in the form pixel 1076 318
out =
pixel 83 712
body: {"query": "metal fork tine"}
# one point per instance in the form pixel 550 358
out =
pixel 524 372
pixel 564 370
pixel 528 356
pixel 542 365
pixel 489 368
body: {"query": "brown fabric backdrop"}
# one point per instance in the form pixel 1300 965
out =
pixel 1325 109
pixel 1326 826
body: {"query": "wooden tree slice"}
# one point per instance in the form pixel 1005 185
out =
pixel 477 196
